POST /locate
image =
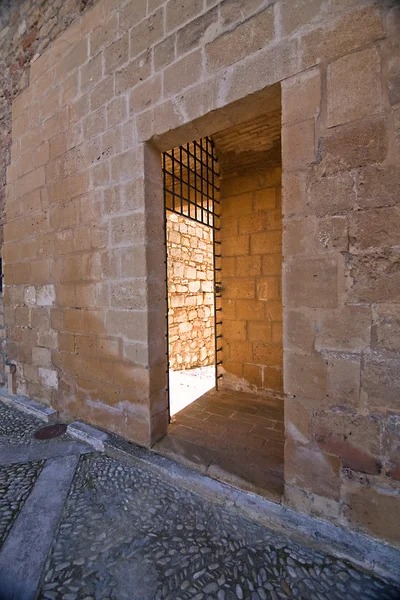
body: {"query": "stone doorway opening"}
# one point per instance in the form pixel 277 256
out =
pixel 235 432
pixel 191 205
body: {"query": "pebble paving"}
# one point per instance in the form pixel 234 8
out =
pixel 16 482
pixel 16 427
pixel 127 534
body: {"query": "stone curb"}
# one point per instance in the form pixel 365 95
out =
pixel 90 435
pixel 45 413
pixel 365 552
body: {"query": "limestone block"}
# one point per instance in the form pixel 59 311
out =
pixel 351 98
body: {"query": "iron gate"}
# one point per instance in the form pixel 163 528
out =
pixel 191 177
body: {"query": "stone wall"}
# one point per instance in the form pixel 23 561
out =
pixel 190 293
pixel 251 275
pixel 84 254
pixel 26 29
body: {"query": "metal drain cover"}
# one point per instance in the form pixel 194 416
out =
pixel 49 432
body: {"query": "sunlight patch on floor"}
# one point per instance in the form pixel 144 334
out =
pixel 186 386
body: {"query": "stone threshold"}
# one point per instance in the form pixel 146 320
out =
pixel 361 550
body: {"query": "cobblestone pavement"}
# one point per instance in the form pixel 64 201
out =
pixel 16 427
pixel 125 533
pixel 16 481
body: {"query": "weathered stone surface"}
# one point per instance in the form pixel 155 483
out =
pixel 348 329
pixel 312 470
pixel 372 507
pixel 351 98
pixel 374 229
pixel 354 145
pixel 381 381
pixel 373 277
pixel 355 439
pixel 378 186
pixel 385 332
pixel 310 282
pixel 245 39
pixel 305 375
pixel 344 379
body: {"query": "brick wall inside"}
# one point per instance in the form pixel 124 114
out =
pixel 84 255
pixel 190 293
pixel 251 268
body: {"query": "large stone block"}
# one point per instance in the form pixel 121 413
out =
pixel 244 40
pixel 311 236
pixel 136 71
pixel 356 96
pixel 348 329
pixel 338 37
pixel 344 379
pixel 146 33
pixel 305 375
pixel 76 57
pixel 298 144
pixel 385 334
pixel 378 186
pixel 371 507
pixel 293 194
pixel 301 96
pixel 373 277
pixel 131 13
pixel 182 73
pixel 381 381
pixel 145 94
pixel 374 229
pixel 104 34
pixel 354 145
pixel 267 354
pixel 311 282
pixel 196 31
pixel 312 470
pixel 116 54
pixel 331 195
pixel 299 330
pixel 178 13
pixel 391 445
pixel 355 439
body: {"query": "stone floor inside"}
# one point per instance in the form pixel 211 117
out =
pixel 76 524
pixel 232 436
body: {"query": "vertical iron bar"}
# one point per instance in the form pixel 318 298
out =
pixel 214 231
pixel 166 283
pixel 189 172
pixel 173 178
pixel 181 182
pixel 201 181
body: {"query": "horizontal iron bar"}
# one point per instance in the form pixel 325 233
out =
pixel 190 218
pixel 189 202
pixel 188 153
pixel 196 176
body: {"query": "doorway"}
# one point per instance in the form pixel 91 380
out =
pixel 235 430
